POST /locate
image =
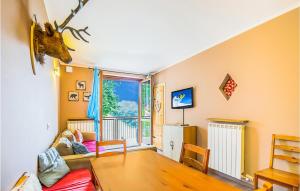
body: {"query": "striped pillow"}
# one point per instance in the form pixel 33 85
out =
pixel 48 159
pixel 52 167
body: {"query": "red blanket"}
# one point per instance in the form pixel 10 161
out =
pixel 79 180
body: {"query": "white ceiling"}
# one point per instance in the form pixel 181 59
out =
pixel 144 36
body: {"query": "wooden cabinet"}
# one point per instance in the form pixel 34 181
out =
pixel 174 136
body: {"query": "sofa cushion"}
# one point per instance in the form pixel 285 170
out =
pixel 79 148
pixel 64 150
pixel 51 167
pixel 78 136
pixel 88 136
pixel 79 180
pixel 91 146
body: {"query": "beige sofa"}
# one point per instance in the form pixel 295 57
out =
pixel 74 161
pixel 77 161
pixel 82 160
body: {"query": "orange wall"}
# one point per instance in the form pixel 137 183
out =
pixel 71 109
pixel 264 62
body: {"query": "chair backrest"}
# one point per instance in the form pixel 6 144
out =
pixel 108 143
pixel 189 161
pixel 266 187
pixel 284 147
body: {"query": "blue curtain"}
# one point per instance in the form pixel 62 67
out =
pixel 93 107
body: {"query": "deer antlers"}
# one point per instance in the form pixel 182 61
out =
pixel 75 32
pixel 50 42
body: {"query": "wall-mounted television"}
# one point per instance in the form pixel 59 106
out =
pixel 182 99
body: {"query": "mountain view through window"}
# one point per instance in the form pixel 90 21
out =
pixel 120 98
pixel 121 110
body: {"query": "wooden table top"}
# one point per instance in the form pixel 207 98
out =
pixel 149 171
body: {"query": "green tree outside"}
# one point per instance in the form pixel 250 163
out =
pixel 110 99
pixel 113 107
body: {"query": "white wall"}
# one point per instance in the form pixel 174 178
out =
pixel 0 97
pixel 28 102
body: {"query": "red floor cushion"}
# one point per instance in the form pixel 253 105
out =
pixel 91 146
pixel 79 180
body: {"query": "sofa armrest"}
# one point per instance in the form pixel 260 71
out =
pixel 89 136
pixel 56 141
pixel 75 164
pixel 78 156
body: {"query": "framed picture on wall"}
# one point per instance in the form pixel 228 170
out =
pixel 73 96
pixel 80 85
pixel 86 96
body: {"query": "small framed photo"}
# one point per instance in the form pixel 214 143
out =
pixel 73 96
pixel 80 85
pixel 86 96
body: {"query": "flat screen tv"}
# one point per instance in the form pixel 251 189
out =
pixel 182 99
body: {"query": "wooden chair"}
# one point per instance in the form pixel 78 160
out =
pixel 189 161
pixel 266 187
pixel 107 143
pixel 276 176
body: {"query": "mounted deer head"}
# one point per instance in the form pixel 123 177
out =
pixel 51 42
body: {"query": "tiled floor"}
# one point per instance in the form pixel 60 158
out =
pixel 235 184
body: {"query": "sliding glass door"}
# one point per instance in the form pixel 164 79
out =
pixel 126 110
pixel 120 110
pixel 146 130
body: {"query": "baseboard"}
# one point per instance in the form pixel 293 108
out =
pixel 246 184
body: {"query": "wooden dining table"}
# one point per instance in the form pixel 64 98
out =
pixel 149 171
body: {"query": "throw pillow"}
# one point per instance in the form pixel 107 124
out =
pixel 31 183
pixel 51 167
pixel 47 159
pixel 78 135
pixel 69 135
pixel 65 141
pixel 64 149
pixel 79 148
pixel 67 132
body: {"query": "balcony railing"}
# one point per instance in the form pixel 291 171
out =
pixel 126 128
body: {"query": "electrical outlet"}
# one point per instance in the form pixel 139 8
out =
pixel 69 69
pixel 48 126
pixel 249 177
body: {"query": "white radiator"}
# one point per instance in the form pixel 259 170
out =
pixel 226 144
pixel 81 125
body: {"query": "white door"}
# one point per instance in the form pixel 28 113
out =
pixel 177 136
pixel 167 137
